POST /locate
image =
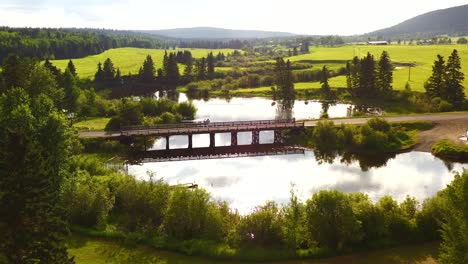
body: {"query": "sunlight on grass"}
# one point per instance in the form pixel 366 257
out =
pixel 92 124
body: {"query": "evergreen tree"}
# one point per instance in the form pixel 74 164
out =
pixel 349 80
pixel 54 70
pixel 355 73
pixel 384 74
pixel 284 80
pixel 71 67
pixel 210 66
pixel 99 75
pixel 435 85
pixel 165 63
pixel 201 69
pixel 108 71
pixel 325 90
pixel 188 72
pixel 148 71
pixel 172 71
pixel 295 51
pixel 367 77
pixel 72 92
pixel 454 81
pixel 13 72
pixel 34 151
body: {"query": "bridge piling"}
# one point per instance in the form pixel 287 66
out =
pixel 212 140
pixel 233 138
pixel 190 141
pixel 167 143
pixel 278 138
pixel 255 137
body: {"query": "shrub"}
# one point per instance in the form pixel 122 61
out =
pixel 88 201
pixel 262 227
pixel 190 215
pixel 186 109
pixel 140 205
pixel 331 221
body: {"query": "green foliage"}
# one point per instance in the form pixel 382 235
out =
pixel 446 82
pixel 140 205
pixel 448 150
pixel 186 109
pixel 190 215
pixel 35 146
pixel 455 227
pixel 148 71
pixel 263 227
pixel 88 200
pixel 331 222
pixel 284 80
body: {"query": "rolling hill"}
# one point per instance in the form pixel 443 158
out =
pixel 215 33
pixel 450 21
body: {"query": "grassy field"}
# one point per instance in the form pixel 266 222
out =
pixel 96 251
pixel 422 56
pixel 129 60
pixel 92 124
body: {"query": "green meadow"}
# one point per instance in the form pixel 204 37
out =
pixel 128 60
pixel 97 251
pixel 422 56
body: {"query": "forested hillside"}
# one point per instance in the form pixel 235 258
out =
pixel 69 43
pixel 450 21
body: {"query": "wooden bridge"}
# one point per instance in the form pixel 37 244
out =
pixel 223 152
pixel 189 129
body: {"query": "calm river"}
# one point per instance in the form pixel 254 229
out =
pixel 248 182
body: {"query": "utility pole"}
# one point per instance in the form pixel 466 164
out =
pixel 409 73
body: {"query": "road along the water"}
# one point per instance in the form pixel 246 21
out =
pixel 447 125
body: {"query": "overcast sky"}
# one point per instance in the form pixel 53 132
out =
pixel 344 17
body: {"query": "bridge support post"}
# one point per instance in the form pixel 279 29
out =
pixel 167 143
pixel 255 137
pixel 190 141
pixel 212 140
pixel 278 138
pixel 233 138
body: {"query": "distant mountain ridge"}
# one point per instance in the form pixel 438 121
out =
pixel 450 21
pixel 215 33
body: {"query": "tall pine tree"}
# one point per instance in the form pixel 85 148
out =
pixel 454 81
pixel 384 76
pixel 210 63
pixel 435 85
pixel 147 71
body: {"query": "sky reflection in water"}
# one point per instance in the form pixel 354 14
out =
pixel 248 182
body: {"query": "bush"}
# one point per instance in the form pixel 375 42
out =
pixel 113 124
pixel 186 109
pixel 262 227
pixel 331 220
pixel 140 205
pixel 190 215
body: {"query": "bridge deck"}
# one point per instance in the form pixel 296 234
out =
pixel 213 153
pixel 205 128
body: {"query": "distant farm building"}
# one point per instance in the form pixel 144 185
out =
pixel 383 42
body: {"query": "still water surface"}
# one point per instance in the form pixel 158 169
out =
pixel 249 182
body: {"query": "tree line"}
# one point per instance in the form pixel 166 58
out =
pixel 366 78
pixel 48 43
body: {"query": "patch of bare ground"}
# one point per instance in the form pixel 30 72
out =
pixel 451 129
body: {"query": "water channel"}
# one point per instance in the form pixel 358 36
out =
pixel 249 182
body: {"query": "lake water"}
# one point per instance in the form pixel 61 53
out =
pixel 249 182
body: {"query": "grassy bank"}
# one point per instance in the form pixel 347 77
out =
pixel 98 123
pixel 450 151
pixel 96 251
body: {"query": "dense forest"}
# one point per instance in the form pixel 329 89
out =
pixel 68 43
